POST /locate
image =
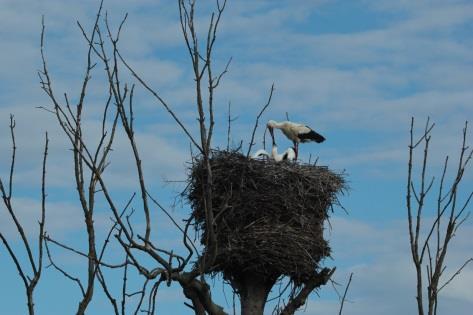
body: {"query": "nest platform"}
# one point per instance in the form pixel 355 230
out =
pixel 269 216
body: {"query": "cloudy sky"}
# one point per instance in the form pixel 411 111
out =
pixel 354 70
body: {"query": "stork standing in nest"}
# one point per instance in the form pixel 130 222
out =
pixel 295 132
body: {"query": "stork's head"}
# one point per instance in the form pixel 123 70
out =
pixel 270 125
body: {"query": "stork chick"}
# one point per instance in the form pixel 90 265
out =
pixel 288 155
pixel 260 153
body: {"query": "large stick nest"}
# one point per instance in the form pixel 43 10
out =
pixel 268 216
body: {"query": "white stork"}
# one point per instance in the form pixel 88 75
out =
pixel 295 132
pixel 288 155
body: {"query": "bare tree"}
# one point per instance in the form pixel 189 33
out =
pixel 430 242
pixel 90 163
pixel 35 264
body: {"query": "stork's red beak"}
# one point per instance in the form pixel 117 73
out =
pixel 272 134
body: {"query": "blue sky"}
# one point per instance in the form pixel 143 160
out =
pixel 355 71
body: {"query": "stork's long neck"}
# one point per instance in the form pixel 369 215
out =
pixel 277 157
pixel 279 125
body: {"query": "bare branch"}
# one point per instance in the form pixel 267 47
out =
pixel 64 273
pixel 345 294
pixel 297 301
pixel 217 80
pixel 257 120
pixel 459 270
pixel 12 165
pixel 47 238
pixel 42 221
pixel 15 260
pixel 103 283
pixel 161 100
pixel 184 233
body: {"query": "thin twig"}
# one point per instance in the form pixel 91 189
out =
pixel 257 120
pixel 345 294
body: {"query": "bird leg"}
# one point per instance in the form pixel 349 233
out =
pixel 296 149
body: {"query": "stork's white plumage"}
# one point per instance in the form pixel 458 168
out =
pixel 295 132
pixel 260 153
pixel 288 155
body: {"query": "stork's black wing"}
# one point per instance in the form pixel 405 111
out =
pixel 311 136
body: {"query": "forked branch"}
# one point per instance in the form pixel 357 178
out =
pixel 34 266
pixel 450 214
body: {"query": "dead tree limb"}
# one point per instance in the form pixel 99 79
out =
pixel 345 294
pixel 257 120
pixel 431 251
pixel 296 301
pixel 36 265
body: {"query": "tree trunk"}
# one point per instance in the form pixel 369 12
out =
pixel 253 291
